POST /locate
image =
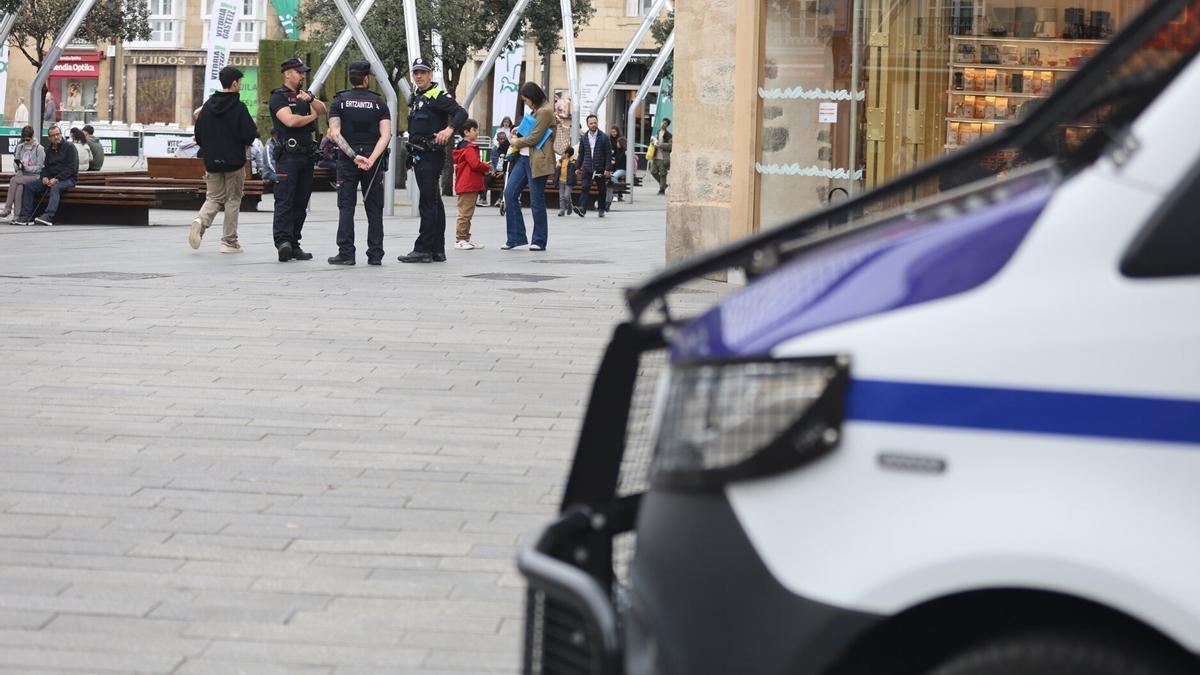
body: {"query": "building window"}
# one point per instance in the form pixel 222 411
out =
pixel 164 27
pixel 638 7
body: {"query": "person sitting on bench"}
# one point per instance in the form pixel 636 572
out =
pixel 58 176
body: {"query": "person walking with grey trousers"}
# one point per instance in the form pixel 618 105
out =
pixel 224 129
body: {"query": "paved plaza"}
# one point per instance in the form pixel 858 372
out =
pixel 220 463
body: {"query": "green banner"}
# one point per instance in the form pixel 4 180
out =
pixel 249 92
pixel 287 9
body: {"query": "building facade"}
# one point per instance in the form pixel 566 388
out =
pixel 155 81
pixel 81 83
pixel 597 47
pixel 165 75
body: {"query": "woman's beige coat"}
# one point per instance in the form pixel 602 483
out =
pixel 541 162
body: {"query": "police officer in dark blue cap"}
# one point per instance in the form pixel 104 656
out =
pixel 360 124
pixel 294 113
pixel 433 119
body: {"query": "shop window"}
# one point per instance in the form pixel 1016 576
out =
pixel 846 107
pixel 156 94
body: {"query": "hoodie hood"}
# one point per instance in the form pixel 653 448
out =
pixel 222 102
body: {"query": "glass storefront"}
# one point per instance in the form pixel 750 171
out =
pixel 854 93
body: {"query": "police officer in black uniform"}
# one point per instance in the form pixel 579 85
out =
pixel 433 119
pixel 360 124
pixel 294 113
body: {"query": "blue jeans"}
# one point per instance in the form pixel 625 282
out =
pixel 517 180
pixel 29 201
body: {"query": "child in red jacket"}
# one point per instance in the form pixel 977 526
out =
pixel 468 183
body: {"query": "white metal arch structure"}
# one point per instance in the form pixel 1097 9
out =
pixel 626 54
pixel 412 35
pixel 572 67
pixel 656 68
pixel 338 48
pixel 354 29
pixel 7 24
pixel 60 43
pixel 510 24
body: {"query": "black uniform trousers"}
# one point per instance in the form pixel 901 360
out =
pixel 350 179
pixel 432 237
pixel 585 193
pixel 294 174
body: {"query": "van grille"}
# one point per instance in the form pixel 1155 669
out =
pixel 557 638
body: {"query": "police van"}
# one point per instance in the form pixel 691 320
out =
pixel 950 426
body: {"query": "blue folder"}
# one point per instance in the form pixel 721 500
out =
pixel 526 127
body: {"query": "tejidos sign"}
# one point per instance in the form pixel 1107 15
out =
pixel 185 58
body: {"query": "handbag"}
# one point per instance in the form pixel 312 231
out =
pixel 650 152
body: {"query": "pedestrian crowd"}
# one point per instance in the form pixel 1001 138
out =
pixel 527 156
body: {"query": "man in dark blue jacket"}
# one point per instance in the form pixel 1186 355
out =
pixel 595 154
pixel 58 176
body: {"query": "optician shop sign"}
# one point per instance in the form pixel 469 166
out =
pixel 79 66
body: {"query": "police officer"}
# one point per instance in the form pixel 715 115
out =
pixel 294 113
pixel 360 124
pixel 433 118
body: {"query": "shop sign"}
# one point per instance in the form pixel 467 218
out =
pixel 77 66
pixel 180 58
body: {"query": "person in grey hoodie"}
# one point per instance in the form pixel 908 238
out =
pixel 224 129
pixel 28 158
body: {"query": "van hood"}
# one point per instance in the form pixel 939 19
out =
pixel 897 264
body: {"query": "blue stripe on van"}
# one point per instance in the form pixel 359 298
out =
pixel 1025 410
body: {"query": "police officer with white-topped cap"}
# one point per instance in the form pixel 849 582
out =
pixel 433 118
pixel 294 113
pixel 361 126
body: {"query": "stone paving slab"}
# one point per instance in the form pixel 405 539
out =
pixel 220 464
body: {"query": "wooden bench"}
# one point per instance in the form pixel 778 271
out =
pixel 552 193
pixel 111 205
pixel 188 172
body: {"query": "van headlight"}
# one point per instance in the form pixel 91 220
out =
pixel 731 420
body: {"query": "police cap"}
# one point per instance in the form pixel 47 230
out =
pixel 293 64
pixel 422 64
pixel 360 67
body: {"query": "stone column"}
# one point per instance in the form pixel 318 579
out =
pixel 700 180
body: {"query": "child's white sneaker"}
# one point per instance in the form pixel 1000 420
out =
pixel 463 245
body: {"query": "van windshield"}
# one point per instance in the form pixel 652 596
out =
pixel 1078 107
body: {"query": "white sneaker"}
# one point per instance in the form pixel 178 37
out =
pixel 474 245
pixel 43 221
pixel 196 233
pixel 463 245
pixel 231 248
pixel 535 247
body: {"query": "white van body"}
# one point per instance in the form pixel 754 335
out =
pixel 987 462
